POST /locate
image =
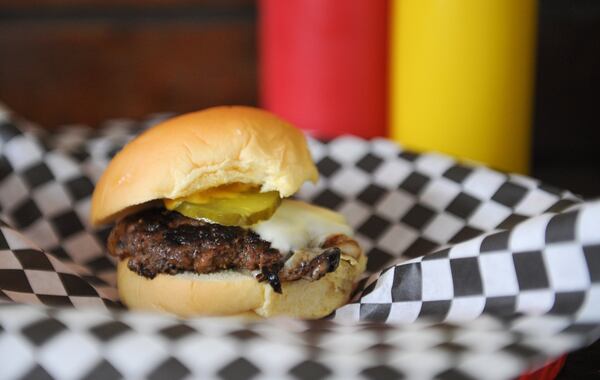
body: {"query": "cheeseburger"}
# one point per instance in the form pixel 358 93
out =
pixel 204 225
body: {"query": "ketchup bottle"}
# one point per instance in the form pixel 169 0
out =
pixel 323 64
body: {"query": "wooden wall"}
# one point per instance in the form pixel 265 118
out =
pixel 567 101
pixel 64 61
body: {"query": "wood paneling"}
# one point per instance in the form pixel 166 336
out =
pixel 68 69
pixel 567 121
pixel 140 4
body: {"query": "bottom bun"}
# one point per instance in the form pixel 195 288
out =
pixel 233 293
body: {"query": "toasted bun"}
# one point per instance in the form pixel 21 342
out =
pixel 200 150
pixel 234 293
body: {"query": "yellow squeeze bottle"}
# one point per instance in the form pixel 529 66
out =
pixel 462 78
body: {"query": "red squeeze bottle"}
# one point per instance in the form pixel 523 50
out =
pixel 323 64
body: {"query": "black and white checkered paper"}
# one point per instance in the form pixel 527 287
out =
pixel 472 273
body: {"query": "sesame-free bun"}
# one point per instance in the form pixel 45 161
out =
pixel 201 150
pixel 232 293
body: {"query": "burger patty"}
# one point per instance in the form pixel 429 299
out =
pixel 161 241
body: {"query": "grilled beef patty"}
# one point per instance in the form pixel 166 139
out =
pixel 162 241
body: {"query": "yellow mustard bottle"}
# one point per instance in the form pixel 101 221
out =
pixel 462 78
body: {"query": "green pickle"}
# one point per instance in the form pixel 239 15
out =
pixel 243 209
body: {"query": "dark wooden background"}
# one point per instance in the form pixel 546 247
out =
pixel 566 141
pixel 82 61
pixel 66 61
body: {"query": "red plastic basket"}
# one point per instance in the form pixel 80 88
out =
pixel 547 372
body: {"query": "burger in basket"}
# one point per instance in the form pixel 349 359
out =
pixel 204 225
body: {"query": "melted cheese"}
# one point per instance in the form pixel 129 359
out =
pixel 297 225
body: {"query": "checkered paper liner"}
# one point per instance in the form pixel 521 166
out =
pixel 472 273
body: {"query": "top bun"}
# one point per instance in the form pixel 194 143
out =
pixel 201 150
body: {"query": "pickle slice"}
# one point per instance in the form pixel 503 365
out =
pixel 243 209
